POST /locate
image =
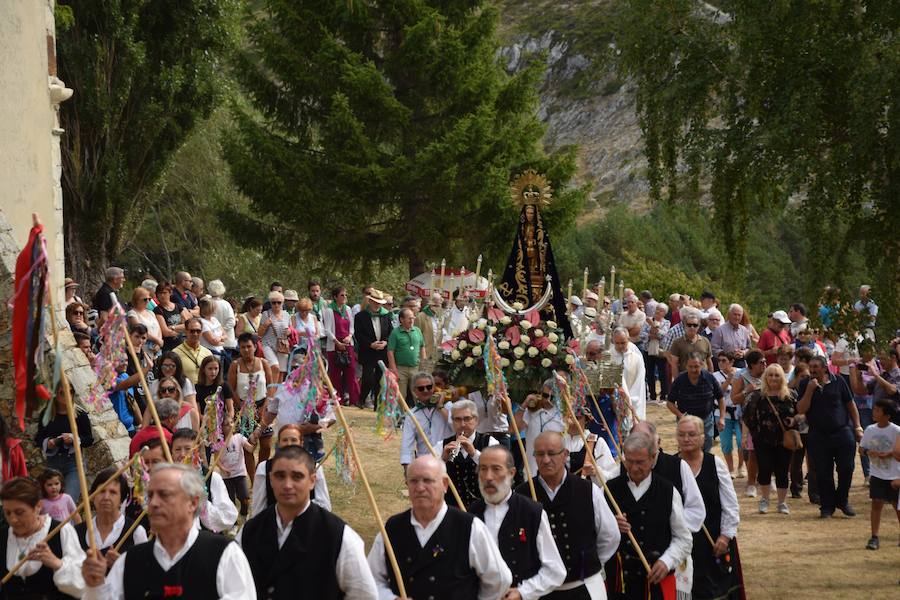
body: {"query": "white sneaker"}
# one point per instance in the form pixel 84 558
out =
pixel 763 505
pixel 742 472
pixel 751 491
pixel 783 508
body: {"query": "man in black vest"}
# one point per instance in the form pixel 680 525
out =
pixel 520 527
pixel 218 513
pixel 652 512
pixel 581 522
pixel 295 548
pixel 462 451
pixel 181 562
pixel 443 553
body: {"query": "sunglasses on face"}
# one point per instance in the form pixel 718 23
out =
pixel 194 330
pixel 167 390
pixel 276 302
pixel 692 324
pixel 78 313
pixel 425 388
pixel 167 366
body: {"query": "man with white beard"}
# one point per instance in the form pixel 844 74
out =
pixel 520 527
pixel 633 373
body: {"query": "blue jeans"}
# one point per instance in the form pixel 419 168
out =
pixel 65 464
pixel 709 428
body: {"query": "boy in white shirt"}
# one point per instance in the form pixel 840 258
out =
pixel 878 444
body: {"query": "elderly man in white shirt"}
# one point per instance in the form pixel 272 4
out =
pixel 634 371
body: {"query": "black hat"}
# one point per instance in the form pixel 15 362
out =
pixel 707 295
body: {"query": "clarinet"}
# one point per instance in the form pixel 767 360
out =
pixel 456 450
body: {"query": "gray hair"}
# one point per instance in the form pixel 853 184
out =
pixel 696 356
pixel 620 331
pixel 167 408
pixel 196 281
pixel 713 312
pixel 216 288
pixel 639 441
pixel 113 272
pixel 150 285
pixel 191 482
pixel 510 460
pixel 465 405
pixel 736 306
pixel 423 375
pixel 688 311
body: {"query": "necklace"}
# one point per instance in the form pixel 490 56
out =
pixel 23 552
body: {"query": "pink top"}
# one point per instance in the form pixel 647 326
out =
pixel 58 509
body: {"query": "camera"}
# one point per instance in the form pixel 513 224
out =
pixel 862 367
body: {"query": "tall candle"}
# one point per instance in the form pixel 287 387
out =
pixel 431 284
pixel 441 280
pixel 477 270
pixel 621 295
pixel 569 294
pixel 602 289
pixel 462 280
pixel 490 287
pixel 584 287
pixel 612 280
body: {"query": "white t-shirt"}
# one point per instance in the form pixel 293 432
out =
pixel 231 462
pixel 882 439
pixel 842 346
pixel 148 319
pixel 544 419
pixel 213 326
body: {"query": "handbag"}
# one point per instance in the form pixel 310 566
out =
pixel 790 438
pixel 282 346
pixel 342 358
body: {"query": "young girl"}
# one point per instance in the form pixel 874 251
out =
pixel 56 503
pixel 231 464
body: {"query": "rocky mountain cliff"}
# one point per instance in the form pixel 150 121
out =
pixel 583 101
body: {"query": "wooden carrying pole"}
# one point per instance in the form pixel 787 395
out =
pixel 52 533
pixel 339 412
pixel 73 425
pixel 425 439
pixel 525 464
pixel 599 473
pixel 150 403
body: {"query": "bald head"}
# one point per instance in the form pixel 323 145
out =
pixel 648 428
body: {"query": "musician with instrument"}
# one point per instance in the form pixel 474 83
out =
pixel 462 450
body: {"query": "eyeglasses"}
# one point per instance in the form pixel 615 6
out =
pixel 167 390
pixel 692 324
pixel 465 419
pixel 276 302
pixel 545 395
pixel 425 388
pixel 78 313
pixel 167 366
pixel 539 454
pixel 195 330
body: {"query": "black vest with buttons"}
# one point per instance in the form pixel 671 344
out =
pixel 649 520
pixel 39 586
pixel 270 493
pixel 81 530
pixel 304 567
pixel 440 569
pixel 668 466
pixel 571 516
pixel 517 537
pixel 463 470
pixel 194 576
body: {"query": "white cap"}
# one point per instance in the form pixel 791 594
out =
pixel 780 315
pixel 573 299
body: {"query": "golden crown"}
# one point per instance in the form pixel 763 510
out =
pixel 530 188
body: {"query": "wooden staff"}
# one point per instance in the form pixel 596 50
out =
pixel 425 439
pixel 150 403
pixel 130 531
pixel 599 473
pixel 52 533
pixel 339 412
pixel 512 419
pixel 70 409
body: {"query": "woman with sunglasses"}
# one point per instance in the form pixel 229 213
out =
pixel 170 316
pixel 75 318
pixel 188 417
pixel 274 327
pixel 169 365
pixel 139 313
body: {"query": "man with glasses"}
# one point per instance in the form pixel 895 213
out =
pixel 182 295
pixel 191 352
pixel 696 392
pixel 104 299
pixel 461 452
pixel 690 343
pixel 732 336
pixel 583 526
pixel 430 414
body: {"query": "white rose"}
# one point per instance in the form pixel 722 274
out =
pixel 552 348
pixel 505 321
pixel 538 332
pixel 469 361
pixel 518 365
pixel 463 345
pixel 492 330
pixel 519 352
pixel 532 352
pixel 551 324
pixel 570 360
pixel 504 362
pixel 481 324
pixel 546 363
pixel 518 305
pixel 476 351
pixel 525 324
pixel 455 355
pixel 553 337
pixel 503 345
pixel 525 340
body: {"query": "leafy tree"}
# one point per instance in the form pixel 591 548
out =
pixel 777 103
pixel 143 73
pixel 386 131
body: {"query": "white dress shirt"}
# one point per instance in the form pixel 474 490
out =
pixel 259 502
pixel 552 572
pixel 608 538
pixel 435 424
pixel 139 535
pixel 67 578
pixel 351 569
pixel 731 512
pixel 692 506
pixel 491 419
pixel 234 581
pixel 225 314
pixel 537 422
pixel 682 542
pixel 602 454
pixel 456 321
pixel 221 514
pixel 494 576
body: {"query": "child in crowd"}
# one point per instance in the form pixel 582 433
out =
pixel 56 503
pixel 878 444
pixel 234 469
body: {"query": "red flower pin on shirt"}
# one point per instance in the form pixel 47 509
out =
pixel 172 591
pixel 522 535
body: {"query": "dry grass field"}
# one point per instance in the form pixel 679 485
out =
pixel 796 556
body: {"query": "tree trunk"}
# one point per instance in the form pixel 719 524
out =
pixel 416 264
pixel 84 263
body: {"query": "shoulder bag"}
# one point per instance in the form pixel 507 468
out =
pixel 790 438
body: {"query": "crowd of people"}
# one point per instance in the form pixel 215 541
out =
pixel 606 513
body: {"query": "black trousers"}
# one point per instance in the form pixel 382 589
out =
pixel 656 369
pixel 797 470
pixel 579 593
pixel 369 382
pixel 830 451
pixel 769 460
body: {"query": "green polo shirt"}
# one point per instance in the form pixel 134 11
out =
pixel 406 346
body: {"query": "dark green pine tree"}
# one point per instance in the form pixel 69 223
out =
pixel 385 132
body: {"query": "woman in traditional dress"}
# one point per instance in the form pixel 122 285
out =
pixel 338 322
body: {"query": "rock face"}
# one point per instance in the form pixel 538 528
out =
pixel 583 103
